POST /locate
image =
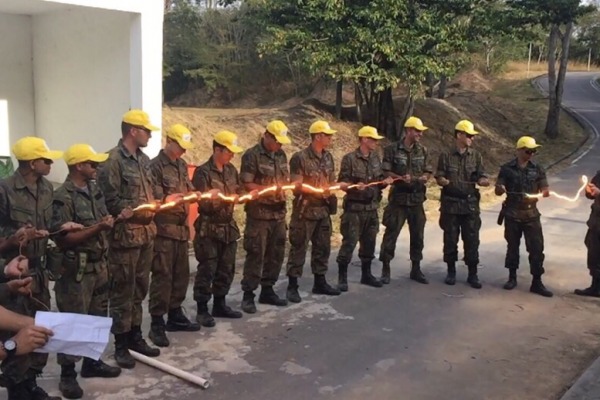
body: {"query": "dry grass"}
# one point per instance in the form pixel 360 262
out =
pixel 516 70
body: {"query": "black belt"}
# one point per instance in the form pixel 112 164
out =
pixel 170 219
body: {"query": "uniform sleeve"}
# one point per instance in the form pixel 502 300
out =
pixel 240 187
pixel 345 174
pixel 596 181
pixel 442 166
pixel 249 167
pixel 109 180
pixel 62 211
pixel 427 168
pixel 501 180
pixel 542 180
pixel 156 178
pixel 332 172
pixel 388 158
pixel 296 170
pixel 199 180
pixel 6 230
pixel 480 167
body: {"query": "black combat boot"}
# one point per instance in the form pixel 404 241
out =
pixel 343 277
pixel 139 345
pixel 385 273
pixel 592 291
pixel 511 283
pixel 178 322
pixel 248 305
pixel 222 310
pixel 98 369
pixel 321 286
pixel 33 392
pixel 292 290
pixel 17 391
pixel 538 287
pixel 473 279
pixel 268 296
pixel 203 317
pixel 416 274
pixel 68 385
pixel 451 275
pixel 367 277
pixel 157 332
pixel 122 355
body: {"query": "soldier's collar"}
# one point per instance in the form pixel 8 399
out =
pixel 361 155
pixel 19 180
pixel 70 186
pixel 313 153
pixel 467 151
pixel 126 152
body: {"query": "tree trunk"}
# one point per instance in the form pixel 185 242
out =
pixel 430 79
pixel 385 114
pixel 442 87
pixel 358 101
pixel 551 129
pixel 488 59
pixel 338 98
pixel 405 113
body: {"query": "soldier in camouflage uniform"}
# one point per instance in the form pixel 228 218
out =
pixel 592 239
pixel 360 222
pixel 265 165
pixel 82 282
pixel 171 265
pixel 458 171
pixel 311 212
pixel 26 200
pixel 217 233
pixel 126 181
pixel 517 178
pixel 407 162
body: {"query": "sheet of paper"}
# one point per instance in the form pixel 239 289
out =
pixel 75 334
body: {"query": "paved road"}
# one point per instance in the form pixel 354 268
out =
pixel 406 341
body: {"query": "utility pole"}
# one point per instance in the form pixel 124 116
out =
pixel 589 59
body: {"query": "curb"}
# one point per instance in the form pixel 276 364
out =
pixel 587 386
pixel 593 134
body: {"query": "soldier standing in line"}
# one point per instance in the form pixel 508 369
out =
pixel 26 200
pixel 265 234
pixel 170 264
pixel 517 178
pixel 126 181
pixel 458 171
pixel 311 212
pixel 217 233
pixel 82 284
pixel 406 161
pixel 592 239
pixel 360 222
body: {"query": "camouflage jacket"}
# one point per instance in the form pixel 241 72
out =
pixel 20 205
pixel 85 207
pixel 519 181
pixel 264 168
pixel 171 177
pixel 358 168
pixel 594 220
pixel 215 217
pixel 401 161
pixel 126 181
pixel 463 170
pixel 308 167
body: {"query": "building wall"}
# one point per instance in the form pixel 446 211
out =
pixel 16 86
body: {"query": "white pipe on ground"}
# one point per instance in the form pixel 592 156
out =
pixel 203 383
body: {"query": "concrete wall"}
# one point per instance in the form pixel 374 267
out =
pixel 16 84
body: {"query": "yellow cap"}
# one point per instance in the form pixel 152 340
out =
pixel 181 135
pixel 466 126
pixel 279 130
pixel 79 153
pixel 321 127
pixel 139 118
pixel 370 132
pixel 416 123
pixel 229 140
pixel 527 142
pixel 32 148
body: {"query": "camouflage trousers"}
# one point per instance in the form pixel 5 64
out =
pixel 318 233
pixel 534 243
pixel 264 242
pixel 358 227
pixel 170 275
pixel 592 242
pixel 465 225
pixel 394 218
pixel 216 267
pixel 18 368
pixel 90 296
pixel 129 272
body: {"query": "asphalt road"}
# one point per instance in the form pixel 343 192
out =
pixel 406 340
